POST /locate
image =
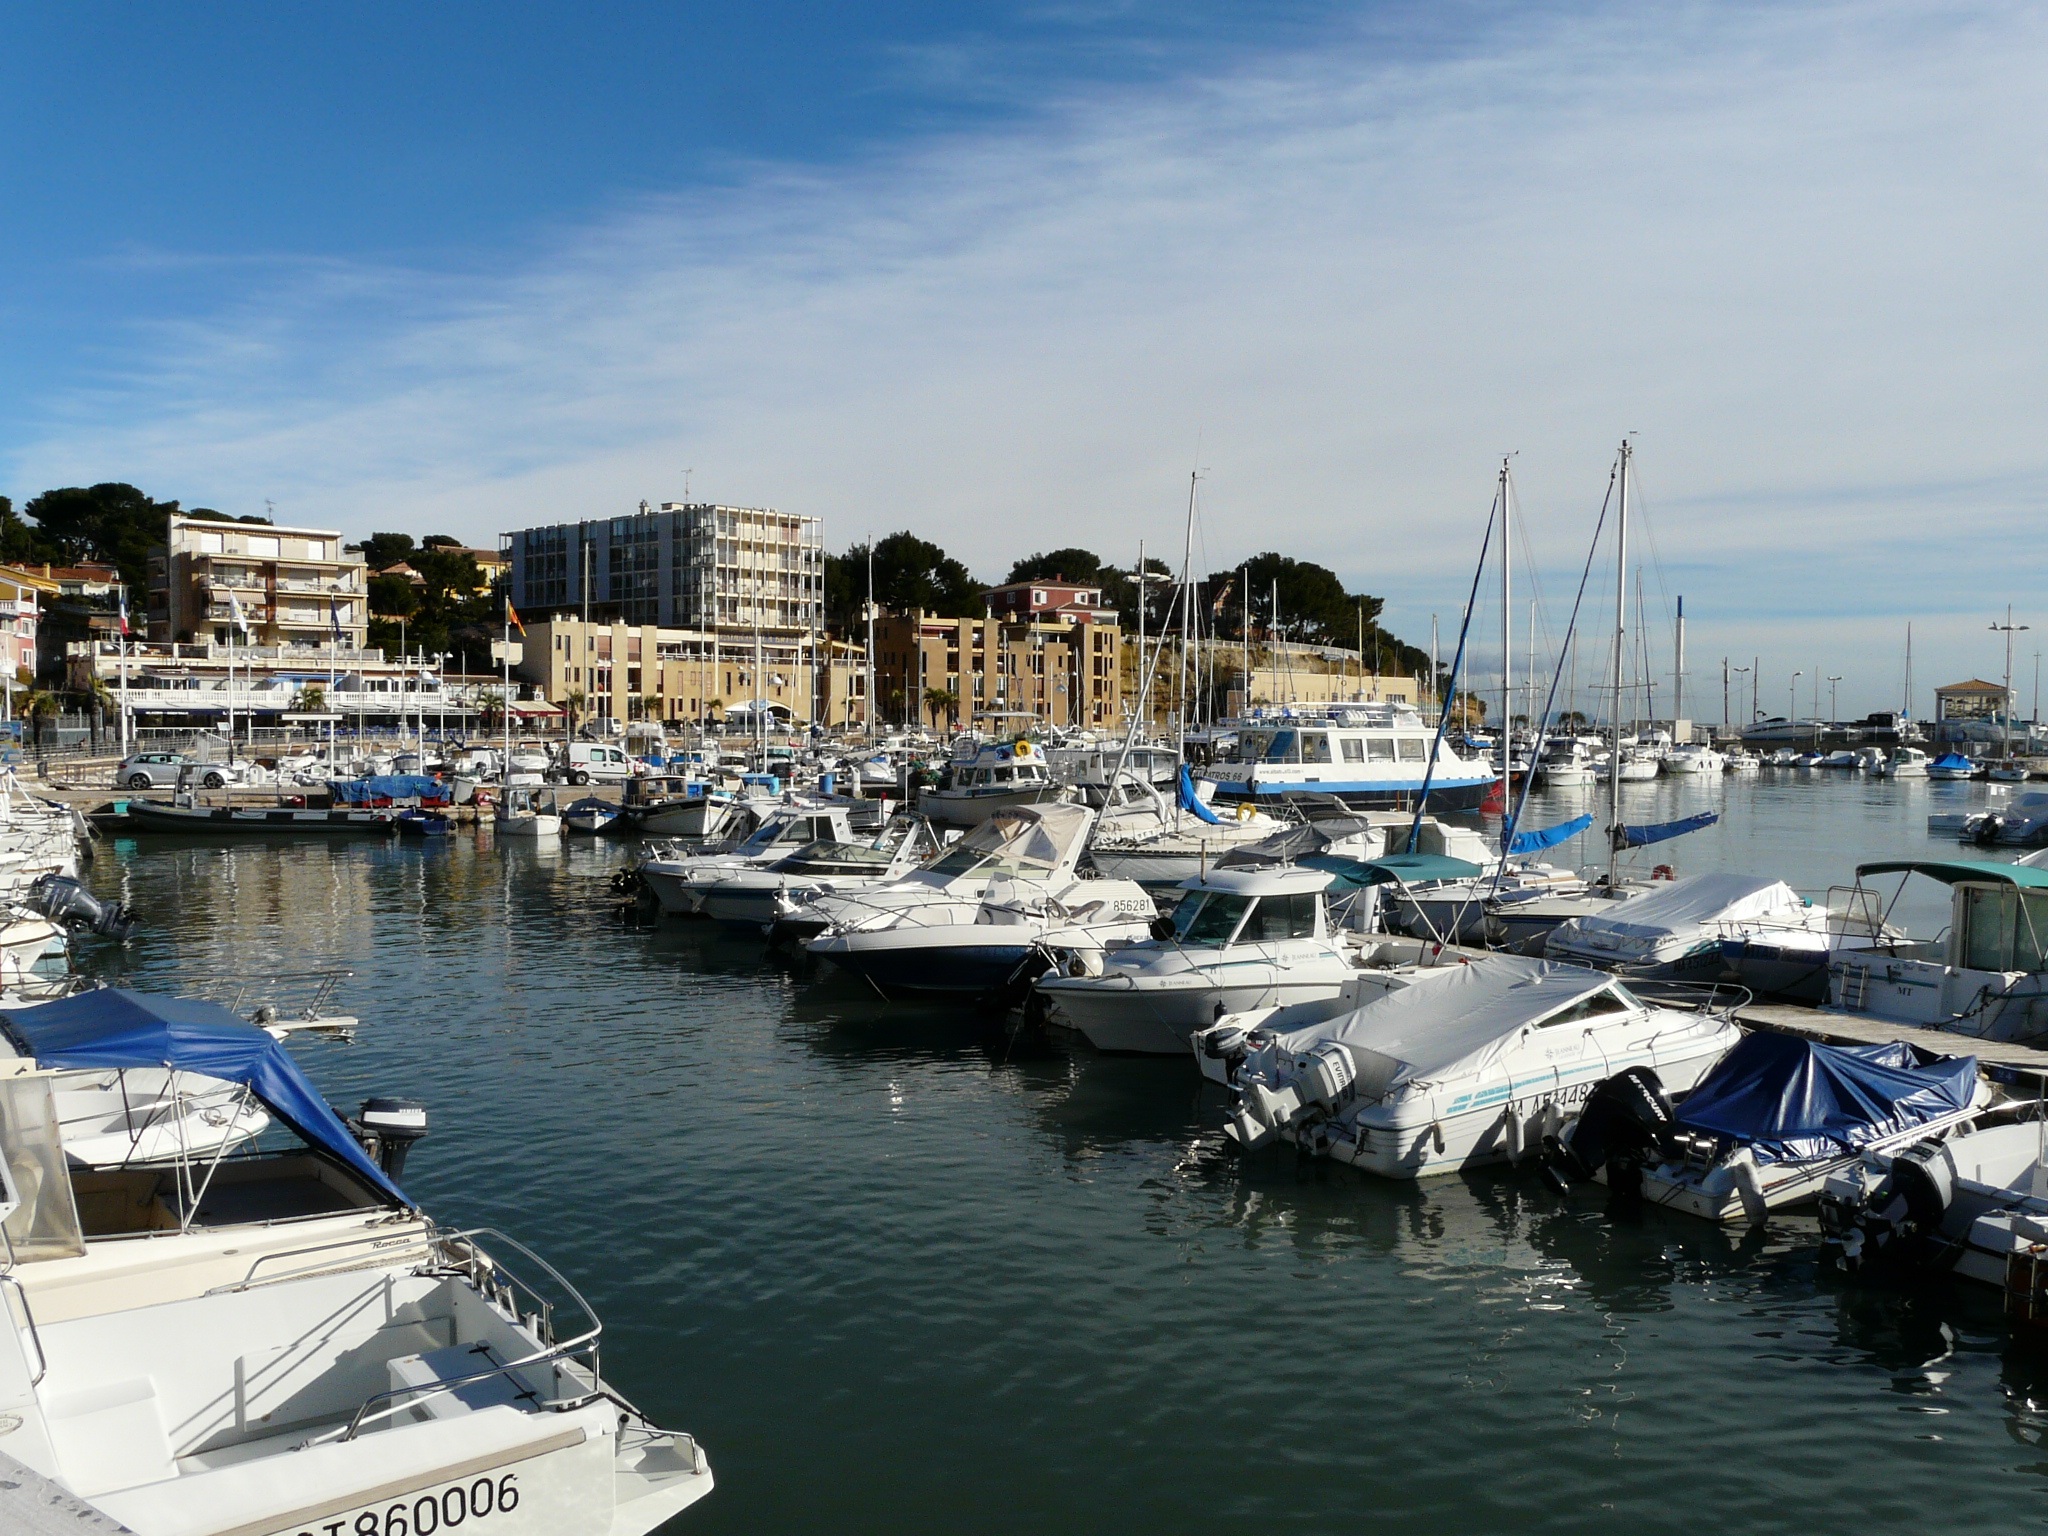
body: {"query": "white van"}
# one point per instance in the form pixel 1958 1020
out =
pixel 588 760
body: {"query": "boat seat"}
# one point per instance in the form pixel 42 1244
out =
pixel 451 1365
pixel 109 1437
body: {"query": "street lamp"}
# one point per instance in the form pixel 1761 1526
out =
pixel 1739 673
pixel 1792 708
pixel 2005 706
pixel 1834 710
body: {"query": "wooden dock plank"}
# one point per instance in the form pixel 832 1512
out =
pixel 1834 1028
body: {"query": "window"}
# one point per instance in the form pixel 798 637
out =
pixel 210 544
pixel 1413 749
pixel 1283 749
pixel 1379 749
pixel 1315 747
pixel 1354 750
pixel 1601 1004
pixel 1213 921
pixel 263 546
pixel 1282 917
pixel 1988 914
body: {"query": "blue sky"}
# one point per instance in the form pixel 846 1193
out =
pixel 1002 274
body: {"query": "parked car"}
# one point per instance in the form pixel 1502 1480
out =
pixel 585 761
pixel 150 770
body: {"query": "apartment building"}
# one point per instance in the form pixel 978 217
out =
pixel 693 566
pixel 658 672
pixel 23 596
pixel 297 588
pixel 1059 671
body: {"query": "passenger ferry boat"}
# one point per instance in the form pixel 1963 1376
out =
pixel 1370 756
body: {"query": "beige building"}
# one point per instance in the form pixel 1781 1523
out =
pixel 634 671
pixel 1061 672
pixel 297 588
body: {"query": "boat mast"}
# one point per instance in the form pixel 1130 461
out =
pixel 869 712
pixel 1620 641
pixel 1187 609
pixel 1507 642
pixel 1138 704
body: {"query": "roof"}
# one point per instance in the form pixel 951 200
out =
pixel 1437 1022
pixel 1973 685
pixel 114 1027
pixel 1260 880
pixel 1954 871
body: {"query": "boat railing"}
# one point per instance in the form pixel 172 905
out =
pixel 1720 999
pixel 512 1293
pixel 291 994
pixel 9 1277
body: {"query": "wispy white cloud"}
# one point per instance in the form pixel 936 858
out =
pixel 1795 249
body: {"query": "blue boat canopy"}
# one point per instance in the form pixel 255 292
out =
pixel 1548 837
pixel 1663 831
pixel 390 786
pixel 1791 1100
pixel 1952 759
pixel 114 1027
pixel 1392 868
pixel 1192 802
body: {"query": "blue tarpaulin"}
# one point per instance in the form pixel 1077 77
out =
pixel 1642 837
pixel 390 786
pixel 1191 802
pixel 1791 1099
pixel 114 1027
pixel 1549 837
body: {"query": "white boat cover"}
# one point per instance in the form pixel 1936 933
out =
pixel 1692 903
pixel 1037 834
pixel 1425 1028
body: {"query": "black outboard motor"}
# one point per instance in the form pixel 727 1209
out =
pixel 64 900
pixel 387 1128
pixel 1627 1119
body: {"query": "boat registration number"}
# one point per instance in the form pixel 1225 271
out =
pixel 431 1510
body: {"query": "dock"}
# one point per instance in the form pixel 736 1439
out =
pixel 1832 1028
pixel 32 1505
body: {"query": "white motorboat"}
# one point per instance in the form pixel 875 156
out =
pixel 1905 763
pixel 2008 773
pixel 590 816
pixel 1847 760
pixel 679 880
pixel 970 920
pixel 1770 1124
pixel 1240 938
pixel 1143 836
pixel 1987 973
pixel 1675 930
pixel 996 776
pixel 1952 766
pixel 1973 1203
pixel 1476 1064
pixel 281 1340
pixel 1369 756
pixel 526 812
pixel 1692 758
pixel 1740 761
pixel 758 895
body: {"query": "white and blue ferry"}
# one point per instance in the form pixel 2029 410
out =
pixel 1370 756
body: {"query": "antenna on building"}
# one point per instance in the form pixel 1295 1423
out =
pixel 269 509
pixel 686 485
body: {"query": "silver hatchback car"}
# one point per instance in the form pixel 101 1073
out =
pixel 153 770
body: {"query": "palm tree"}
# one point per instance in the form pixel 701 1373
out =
pixel 714 709
pixel 941 700
pixel 573 701
pixel 491 709
pixel 99 699
pixel 37 706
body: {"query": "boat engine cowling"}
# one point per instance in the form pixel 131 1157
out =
pixel 64 900
pixel 387 1128
pixel 1626 1117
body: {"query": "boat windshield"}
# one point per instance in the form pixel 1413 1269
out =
pixel 1000 848
pixel 825 851
pixel 1208 917
pixel 2003 928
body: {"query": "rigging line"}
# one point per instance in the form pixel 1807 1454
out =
pixel 1443 719
pixel 1550 703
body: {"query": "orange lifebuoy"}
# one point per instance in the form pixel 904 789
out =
pixel 1663 872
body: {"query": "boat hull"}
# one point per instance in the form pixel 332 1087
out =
pixel 1158 1021
pixel 222 821
pixel 974 960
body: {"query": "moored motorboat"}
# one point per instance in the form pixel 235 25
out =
pixel 590 815
pixel 1675 930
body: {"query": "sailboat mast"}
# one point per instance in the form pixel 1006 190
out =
pixel 1507 645
pixel 1187 607
pixel 1620 641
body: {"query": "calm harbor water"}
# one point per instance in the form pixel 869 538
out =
pixel 897 1277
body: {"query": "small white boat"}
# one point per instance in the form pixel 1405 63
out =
pixel 1474 1064
pixel 1143 836
pixel 1693 759
pixel 1240 938
pixel 590 815
pixel 2008 773
pixel 1740 761
pixel 1905 763
pixel 680 880
pixel 759 895
pixel 997 776
pixel 1772 1122
pixel 1675 930
pixel 1952 766
pixel 526 812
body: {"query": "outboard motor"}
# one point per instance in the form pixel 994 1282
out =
pixel 1899 1219
pixel 387 1128
pixel 1627 1118
pixel 64 900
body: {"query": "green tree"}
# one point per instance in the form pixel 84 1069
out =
pixel 386 549
pixel 112 522
pixel 573 701
pixel 17 538
pixel 393 597
pixel 1076 565
pixel 909 573
pixel 942 701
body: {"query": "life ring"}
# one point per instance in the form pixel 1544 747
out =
pixel 1663 872
pixel 1022 747
pixel 1246 810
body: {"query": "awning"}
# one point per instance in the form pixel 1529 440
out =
pixel 114 1027
pixel 535 707
pixel 1950 871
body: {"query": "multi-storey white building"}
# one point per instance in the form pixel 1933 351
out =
pixel 296 587
pixel 689 566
